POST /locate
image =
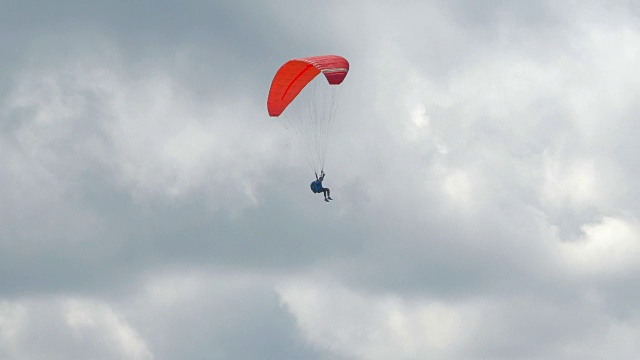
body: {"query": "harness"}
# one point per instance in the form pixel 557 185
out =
pixel 316 186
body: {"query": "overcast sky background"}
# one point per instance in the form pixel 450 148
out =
pixel 484 167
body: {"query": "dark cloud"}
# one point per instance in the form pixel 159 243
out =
pixel 482 167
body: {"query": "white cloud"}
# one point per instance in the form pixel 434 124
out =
pixel 360 326
pixel 474 138
pixel 352 324
pixel 609 247
pixel 63 328
pixel 142 128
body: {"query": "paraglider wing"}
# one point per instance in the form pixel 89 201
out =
pixel 295 74
pixel 310 102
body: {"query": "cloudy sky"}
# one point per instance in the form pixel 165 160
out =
pixel 484 166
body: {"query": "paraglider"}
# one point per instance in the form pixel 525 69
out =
pixel 317 188
pixel 307 103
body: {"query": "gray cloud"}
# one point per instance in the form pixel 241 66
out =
pixel 483 169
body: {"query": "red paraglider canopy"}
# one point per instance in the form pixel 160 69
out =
pixel 295 74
